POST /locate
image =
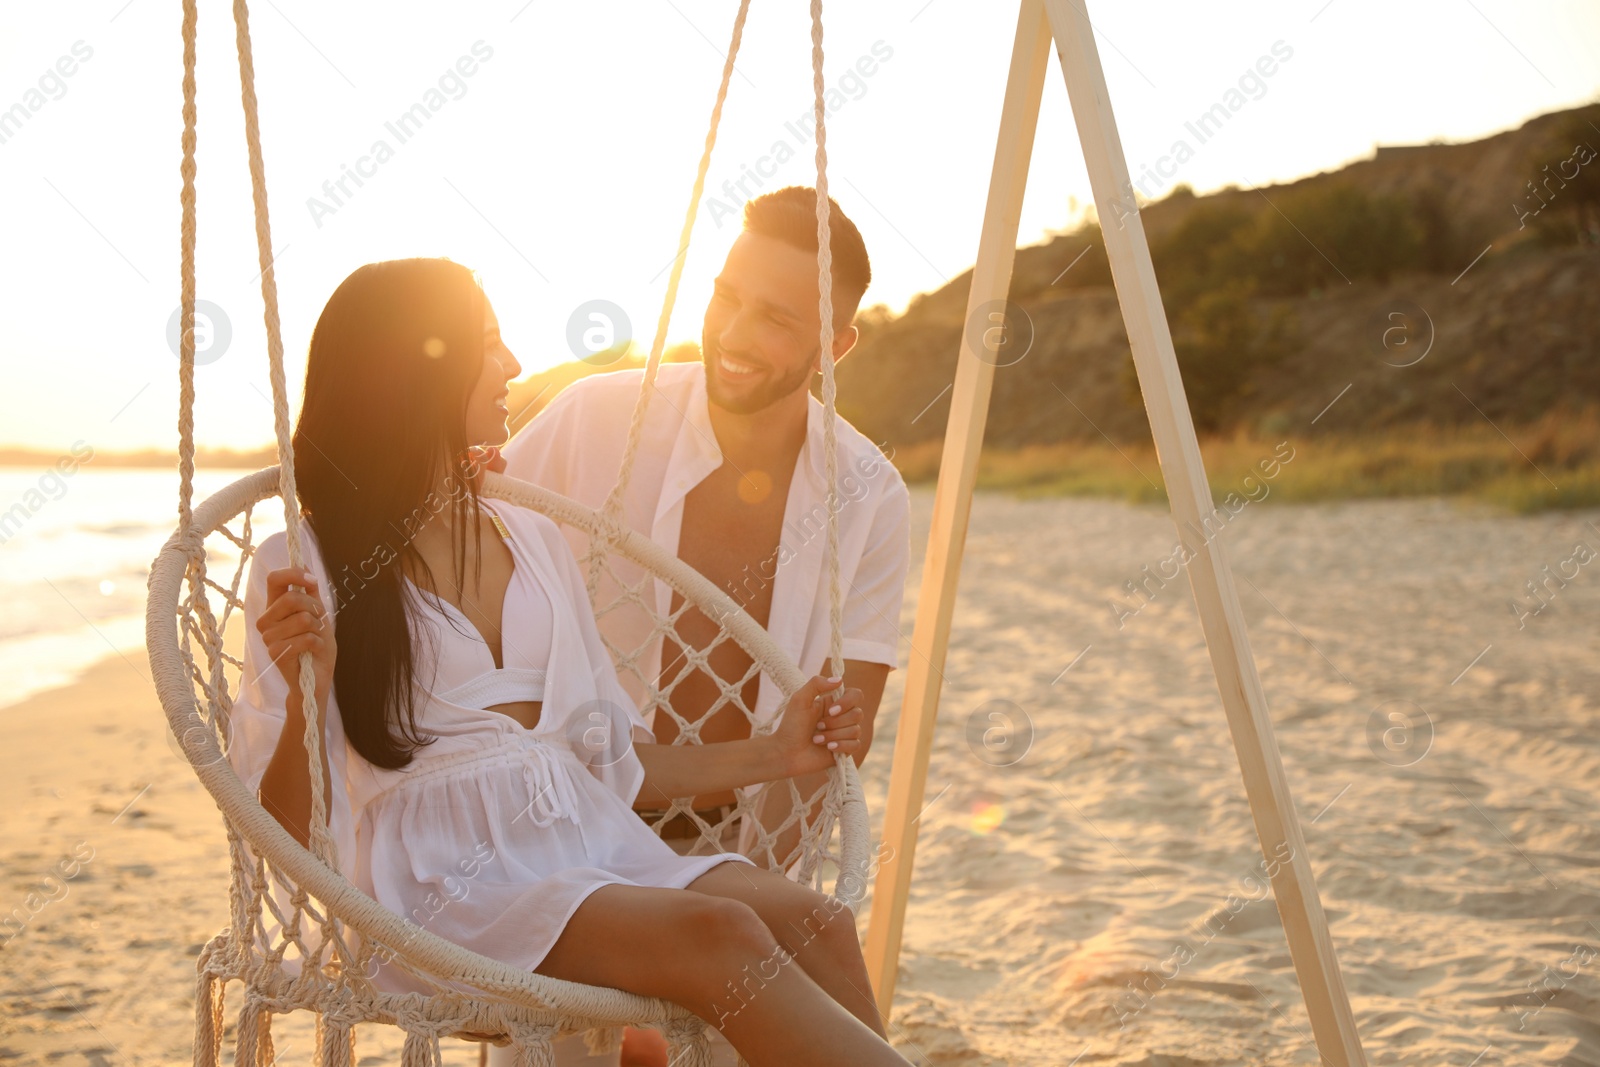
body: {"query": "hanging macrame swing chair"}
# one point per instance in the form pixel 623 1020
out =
pixel 291 910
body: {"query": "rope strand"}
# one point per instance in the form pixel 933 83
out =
pixel 322 844
pixel 613 505
pixel 829 390
pixel 186 243
pixel 525 1005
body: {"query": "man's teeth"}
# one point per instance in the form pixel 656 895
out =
pixel 735 369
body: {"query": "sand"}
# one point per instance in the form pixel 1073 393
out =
pixel 1089 902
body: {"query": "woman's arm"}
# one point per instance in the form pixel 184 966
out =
pixel 815 727
pixel 295 622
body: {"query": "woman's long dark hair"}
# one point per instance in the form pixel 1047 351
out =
pixel 378 451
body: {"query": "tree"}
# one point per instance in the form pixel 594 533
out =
pixel 1223 348
pixel 1191 258
pixel 1561 202
pixel 1326 234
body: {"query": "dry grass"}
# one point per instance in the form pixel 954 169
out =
pixel 1551 463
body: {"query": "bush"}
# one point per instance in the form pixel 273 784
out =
pixel 1448 241
pixel 1563 201
pixel 1326 234
pixel 1222 347
pixel 1089 270
pixel 1191 259
pixel 1306 239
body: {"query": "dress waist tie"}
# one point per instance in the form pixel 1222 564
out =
pixel 550 793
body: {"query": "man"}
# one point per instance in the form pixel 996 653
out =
pixel 730 475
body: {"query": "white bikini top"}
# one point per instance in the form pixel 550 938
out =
pixel 465 673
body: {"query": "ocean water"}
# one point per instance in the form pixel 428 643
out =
pixel 75 556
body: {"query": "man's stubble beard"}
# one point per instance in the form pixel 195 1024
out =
pixel 763 398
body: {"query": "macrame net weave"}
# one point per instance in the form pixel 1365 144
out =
pixel 301 937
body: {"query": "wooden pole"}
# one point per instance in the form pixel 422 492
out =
pixel 958 470
pixel 1178 450
pixel 1221 618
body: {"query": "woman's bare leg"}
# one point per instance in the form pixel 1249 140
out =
pixel 818 930
pixel 716 957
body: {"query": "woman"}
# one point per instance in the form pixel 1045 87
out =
pixel 481 762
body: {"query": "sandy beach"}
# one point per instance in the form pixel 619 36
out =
pixel 1090 900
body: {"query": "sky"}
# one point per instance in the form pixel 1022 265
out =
pixel 560 145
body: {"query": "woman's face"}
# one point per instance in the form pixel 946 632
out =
pixel 486 407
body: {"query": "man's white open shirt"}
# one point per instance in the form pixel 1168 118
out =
pixel 575 447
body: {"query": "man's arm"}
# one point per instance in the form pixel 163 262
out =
pixel 873 597
pixel 870 679
pixel 797 748
pixel 775 804
pixel 872 600
pixel 686 770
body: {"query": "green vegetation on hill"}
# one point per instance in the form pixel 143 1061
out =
pixel 1555 464
pixel 1396 306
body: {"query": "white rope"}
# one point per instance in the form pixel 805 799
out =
pixel 186 241
pixel 614 500
pixel 509 1001
pixel 829 391
pixel 250 952
pixel 198 620
pixel 322 845
pixel 613 505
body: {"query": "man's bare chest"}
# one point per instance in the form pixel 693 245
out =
pixel 732 525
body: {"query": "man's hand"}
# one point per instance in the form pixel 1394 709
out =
pixel 816 727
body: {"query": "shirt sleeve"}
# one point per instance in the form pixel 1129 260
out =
pixel 874 595
pixel 540 451
pixel 261 707
pixel 617 725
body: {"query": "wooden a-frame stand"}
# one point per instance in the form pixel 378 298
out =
pixel 1221 618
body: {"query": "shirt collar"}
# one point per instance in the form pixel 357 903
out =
pixel 815 452
pixel 703 446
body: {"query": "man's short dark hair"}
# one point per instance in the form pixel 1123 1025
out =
pixel 790 215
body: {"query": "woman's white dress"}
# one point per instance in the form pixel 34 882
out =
pixel 495 833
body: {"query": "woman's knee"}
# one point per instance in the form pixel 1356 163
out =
pixel 723 945
pixel 722 926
